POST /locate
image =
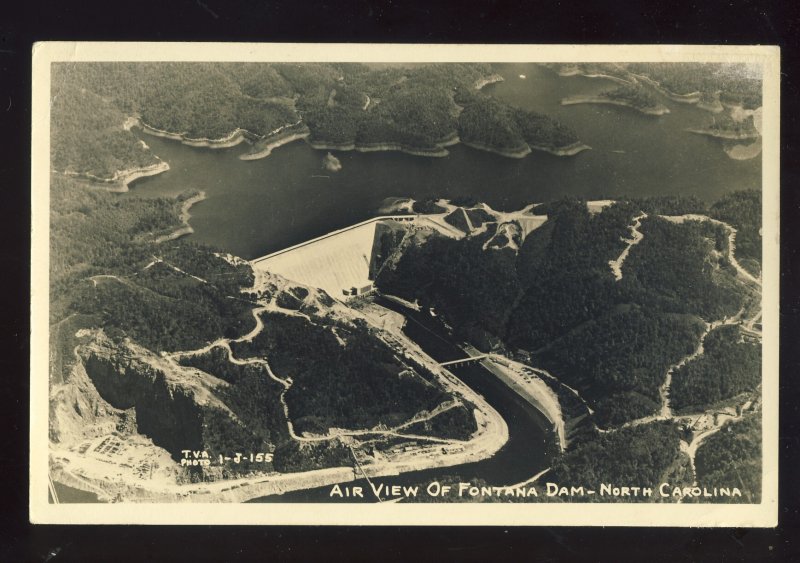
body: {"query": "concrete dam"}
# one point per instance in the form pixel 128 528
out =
pixel 339 262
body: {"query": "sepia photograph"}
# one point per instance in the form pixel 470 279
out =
pixel 323 284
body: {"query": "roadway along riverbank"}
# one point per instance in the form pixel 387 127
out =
pixel 531 439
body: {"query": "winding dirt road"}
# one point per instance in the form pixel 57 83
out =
pixel 636 238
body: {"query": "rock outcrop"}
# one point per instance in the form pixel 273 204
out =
pixel 170 402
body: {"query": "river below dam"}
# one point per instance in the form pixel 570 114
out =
pixel 531 439
pixel 531 445
pixel 257 207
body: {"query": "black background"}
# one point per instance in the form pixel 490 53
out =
pixel 577 21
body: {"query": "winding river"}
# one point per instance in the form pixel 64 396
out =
pixel 531 440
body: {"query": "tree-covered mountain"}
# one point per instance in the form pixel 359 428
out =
pixel 122 304
pixel 742 210
pixel 639 456
pixel 733 458
pixel 729 365
pixel 735 83
pixel 557 300
pixel 489 123
pixel 341 376
pixel 419 108
pixel 87 133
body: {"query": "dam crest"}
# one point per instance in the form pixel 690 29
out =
pixel 341 262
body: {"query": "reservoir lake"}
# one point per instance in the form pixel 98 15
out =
pixel 261 206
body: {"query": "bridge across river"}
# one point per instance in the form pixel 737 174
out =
pixel 463 361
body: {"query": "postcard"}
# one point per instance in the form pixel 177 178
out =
pixel 404 284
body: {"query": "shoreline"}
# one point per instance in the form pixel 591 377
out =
pixel 744 152
pixel 575 71
pixel 568 150
pixel 264 150
pixel 237 137
pixel 690 98
pixel 521 152
pixel 713 107
pixel 121 180
pixel 438 152
pixel 185 216
pixel 234 138
pixel 566 73
pixel 491 79
pixel 727 135
pixel 264 147
pixel 131 176
pixel 531 388
pixel 574 100
pixel 610 77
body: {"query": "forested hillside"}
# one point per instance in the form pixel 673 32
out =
pixel 619 359
pixel 732 458
pixel 489 123
pixel 557 300
pixel 640 456
pixel 100 247
pixel 87 134
pixel 341 376
pixel 107 272
pixel 730 365
pixel 682 268
pixel 742 210
pixel 735 82
pixel 420 109
pixel 635 95
pixel 168 309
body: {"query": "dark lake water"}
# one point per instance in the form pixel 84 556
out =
pixel 531 440
pixel 256 207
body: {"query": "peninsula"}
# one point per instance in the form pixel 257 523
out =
pixel 416 110
pixel 631 96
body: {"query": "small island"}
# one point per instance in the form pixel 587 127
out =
pixel 632 96
pixel 331 163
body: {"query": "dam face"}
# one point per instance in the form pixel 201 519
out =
pixel 339 262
